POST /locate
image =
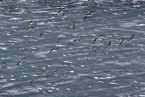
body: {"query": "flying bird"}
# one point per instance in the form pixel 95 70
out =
pixel 90 54
pixel 51 50
pixel 29 23
pixel 21 61
pixel 72 43
pixel 40 36
pixel 8 10
pixel 19 8
pixel 45 69
pixel 75 24
pixel 87 15
pixel 98 37
pixel 122 41
pixel 59 40
pixel 131 37
pixel 58 12
pixel 102 41
pixel 70 24
pixel 30 27
pixel 53 74
pixel 71 71
pixel 107 46
pixel 61 16
pixel 33 80
pixel 81 38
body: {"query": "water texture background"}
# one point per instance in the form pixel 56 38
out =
pixel 117 72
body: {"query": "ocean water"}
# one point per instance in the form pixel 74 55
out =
pixel 118 71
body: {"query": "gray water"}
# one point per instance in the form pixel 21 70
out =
pixel 119 71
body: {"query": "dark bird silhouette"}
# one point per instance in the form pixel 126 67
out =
pixel 40 36
pixel 87 15
pixel 131 37
pixel 21 61
pixel 107 46
pixel 51 50
pixel 30 27
pixel 122 41
pixel 72 43
pixel 29 23
pixel 58 12
pixel 90 54
pixel 70 24
pixel 33 80
pixel 75 24
pixel 81 38
pixel 53 74
pixel 102 41
pixel 61 16
pixel 98 37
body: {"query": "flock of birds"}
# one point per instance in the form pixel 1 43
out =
pixel 73 43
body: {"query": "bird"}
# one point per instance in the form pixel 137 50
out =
pixel 30 27
pixel 72 43
pixel 87 15
pixel 70 71
pixel 81 38
pixel 61 16
pixel 122 41
pixel 45 69
pixel 8 10
pixel 107 46
pixel 19 8
pixel 21 60
pixel 70 24
pixel 131 37
pixel 53 74
pixel 51 50
pixel 102 41
pixel 90 54
pixel 58 12
pixel 33 80
pixel 59 40
pixel 29 23
pixel 40 36
pixel 98 37
pixel 1 86
pixel 75 24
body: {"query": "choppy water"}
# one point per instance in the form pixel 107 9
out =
pixel 117 72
